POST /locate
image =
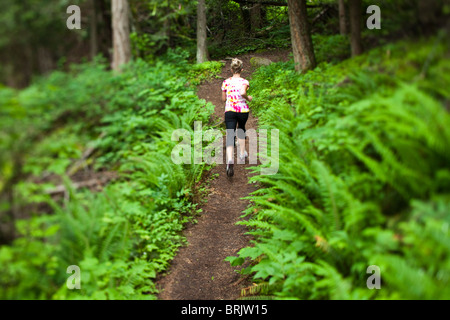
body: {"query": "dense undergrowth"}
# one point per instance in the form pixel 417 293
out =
pixel 123 236
pixel 364 177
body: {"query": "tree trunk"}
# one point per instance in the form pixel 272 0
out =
pixel 166 30
pixel 45 60
pixel 121 34
pixel 302 46
pixel 342 18
pixel 246 19
pixel 355 8
pixel 94 30
pixel 202 48
pixel 256 17
pixel 428 12
pixel 105 27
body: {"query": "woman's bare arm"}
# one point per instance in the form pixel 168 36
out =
pixel 224 96
pixel 244 93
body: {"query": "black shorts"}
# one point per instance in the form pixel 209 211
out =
pixel 232 119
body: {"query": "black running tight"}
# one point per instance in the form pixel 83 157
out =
pixel 232 119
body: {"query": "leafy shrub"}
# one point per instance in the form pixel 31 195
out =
pixel 331 49
pixel 122 237
pixel 363 179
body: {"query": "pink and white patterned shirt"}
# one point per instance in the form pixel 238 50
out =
pixel 235 102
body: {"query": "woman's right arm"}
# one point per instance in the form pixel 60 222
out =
pixel 224 91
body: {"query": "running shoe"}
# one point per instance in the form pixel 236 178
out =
pixel 243 156
pixel 230 170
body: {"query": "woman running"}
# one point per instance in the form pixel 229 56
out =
pixel 234 92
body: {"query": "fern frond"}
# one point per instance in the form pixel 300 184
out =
pixel 328 192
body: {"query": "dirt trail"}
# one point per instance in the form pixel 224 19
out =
pixel 199 271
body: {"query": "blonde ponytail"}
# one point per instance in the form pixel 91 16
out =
pixel 236 65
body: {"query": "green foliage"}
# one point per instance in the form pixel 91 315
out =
pixel 29 26
pixel 161 25
pixel 362 180
pixel 122 237
pixel 331 49
pixel 205 71
pixel 424 271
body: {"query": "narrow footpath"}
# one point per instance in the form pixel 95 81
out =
pixel 199 271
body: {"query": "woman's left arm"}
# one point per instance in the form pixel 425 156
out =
pixel 244 93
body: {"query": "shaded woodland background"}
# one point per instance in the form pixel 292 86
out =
pixel 35 39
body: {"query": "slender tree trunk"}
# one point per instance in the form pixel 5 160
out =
pixel 202 48
pixel 342 18
pixel 45 60
pixel 246 19
pixel 355 8
pixel 105 27
pixel 256 17
pixel 166 30
pixel 302 46
pixel 121 34
pixel 428 11
pixel 94 30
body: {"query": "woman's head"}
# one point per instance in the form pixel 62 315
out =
pixel 236 66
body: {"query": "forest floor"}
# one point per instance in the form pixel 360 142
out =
pixel 199 271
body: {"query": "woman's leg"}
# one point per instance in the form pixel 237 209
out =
pixel 242 120
pixel 230 153
pixel 231 123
